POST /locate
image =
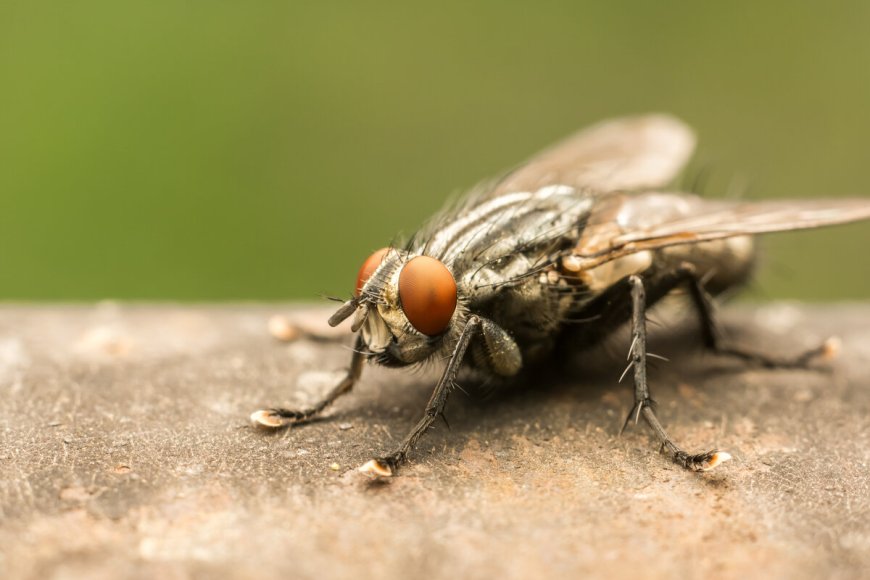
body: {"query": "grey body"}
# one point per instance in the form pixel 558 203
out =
pixel 533 250
pixel 534 291
pixel 515 260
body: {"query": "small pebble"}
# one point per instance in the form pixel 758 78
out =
pixel 803 396
pixel 335 466
pixel 345 426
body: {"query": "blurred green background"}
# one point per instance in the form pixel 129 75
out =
pixel 215 150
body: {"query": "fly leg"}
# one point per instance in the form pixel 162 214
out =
pixel 712 334
pixel 388 465
pixel 278 418
pixel 643 403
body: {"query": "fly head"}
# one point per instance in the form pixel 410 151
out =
pixel 404 306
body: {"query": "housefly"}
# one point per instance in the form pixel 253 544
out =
pixel 586 230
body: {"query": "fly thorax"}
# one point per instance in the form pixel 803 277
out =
pixel 484 283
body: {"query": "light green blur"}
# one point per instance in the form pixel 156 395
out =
pixel 203 150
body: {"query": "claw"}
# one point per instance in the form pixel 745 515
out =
pixel 712 460
pixel 268 419
pixel 831 348
pixel 375 469
pixel 282 329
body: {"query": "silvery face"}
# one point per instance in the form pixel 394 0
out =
pixel 385 329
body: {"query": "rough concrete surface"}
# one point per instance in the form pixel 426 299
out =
pixel 125 452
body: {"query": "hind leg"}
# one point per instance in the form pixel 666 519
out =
pixel 712 334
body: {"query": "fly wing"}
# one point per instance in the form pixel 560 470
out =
pixel 734 219
pixel 687 219
pixel 632 153
pixel 628 154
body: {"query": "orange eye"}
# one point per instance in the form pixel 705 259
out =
pixel 368 268
pixel 428 294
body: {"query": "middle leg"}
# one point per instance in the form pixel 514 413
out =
pixel 643 404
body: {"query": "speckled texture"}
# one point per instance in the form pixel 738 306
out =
pixel 125 452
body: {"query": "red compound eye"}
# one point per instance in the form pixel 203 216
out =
pixel 368 268
pixel 428 294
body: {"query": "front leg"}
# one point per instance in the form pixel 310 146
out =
pixel 387 465
pixel 278 418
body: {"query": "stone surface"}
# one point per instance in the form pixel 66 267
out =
pixel 125 451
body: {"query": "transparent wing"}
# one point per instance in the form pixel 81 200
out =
pixel 631 153
pixel 658 220
pixel 628 154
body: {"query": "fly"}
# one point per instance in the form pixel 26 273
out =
pixel 586 230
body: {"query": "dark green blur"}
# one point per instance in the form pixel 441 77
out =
pixel 216 150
